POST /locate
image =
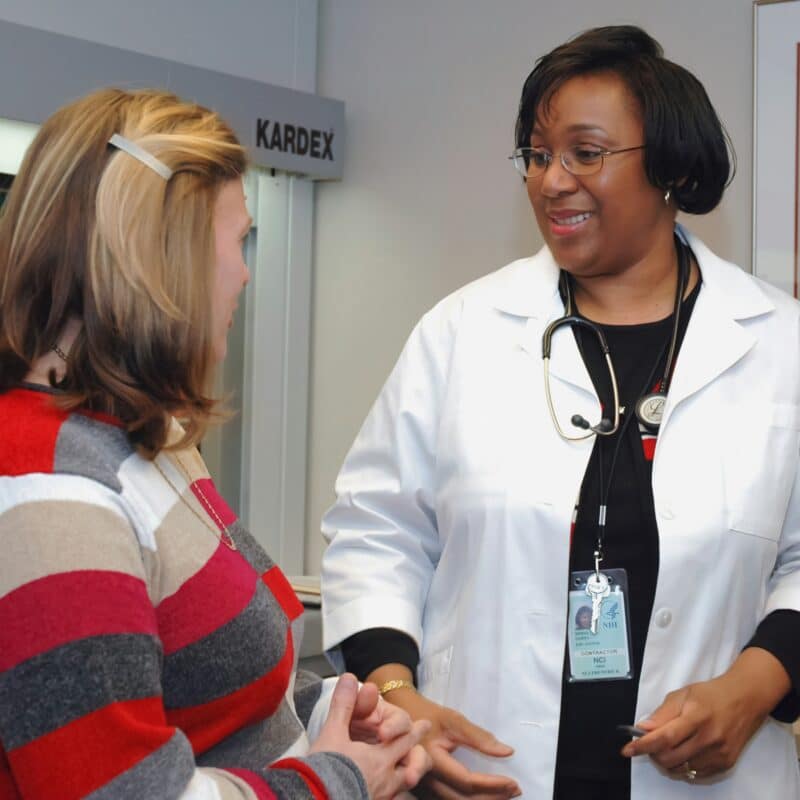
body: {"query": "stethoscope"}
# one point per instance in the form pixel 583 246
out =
pixel 650 406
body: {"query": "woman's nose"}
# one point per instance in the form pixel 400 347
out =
pixel 557 179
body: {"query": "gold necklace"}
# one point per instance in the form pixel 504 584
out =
pixel 222 533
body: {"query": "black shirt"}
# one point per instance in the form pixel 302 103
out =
pixel 588 744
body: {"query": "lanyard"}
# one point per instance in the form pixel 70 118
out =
pixel 648 392
pixel 605 487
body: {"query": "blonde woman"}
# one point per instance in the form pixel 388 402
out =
pixel 148 645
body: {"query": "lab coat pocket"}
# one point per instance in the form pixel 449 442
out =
pixel 760 462
pixel 434 674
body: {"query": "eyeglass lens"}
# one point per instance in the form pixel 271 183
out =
pixel 531 163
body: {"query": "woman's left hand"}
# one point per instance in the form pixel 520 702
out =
pixel 700 730
pixel 374 720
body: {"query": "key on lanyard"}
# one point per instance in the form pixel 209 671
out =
pixel 598 589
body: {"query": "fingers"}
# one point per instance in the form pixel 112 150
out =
pixel 366 701
pixel 707 752
pixel 343 701
pixel 442 791
pixel 678 756
pixel 669 709
pixel 398 748
pixel 468 733
pixel 394 722
pixel 384 724
pixel 415 765
pixel 663 741
pixel 454 774
pixel 669 725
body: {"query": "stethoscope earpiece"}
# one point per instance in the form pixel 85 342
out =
pixel 604 426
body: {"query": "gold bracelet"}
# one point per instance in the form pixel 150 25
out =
pixel 390 686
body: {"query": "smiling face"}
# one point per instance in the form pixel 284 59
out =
pixel 231 225
pixel 608 222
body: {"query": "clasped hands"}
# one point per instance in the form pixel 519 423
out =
pixel 380 738
pixel 698 731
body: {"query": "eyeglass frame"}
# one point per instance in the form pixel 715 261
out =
pixel 519 153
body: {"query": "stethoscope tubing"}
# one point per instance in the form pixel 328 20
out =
pixel 547 337
pixel 571 319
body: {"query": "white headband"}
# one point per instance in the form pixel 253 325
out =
pixel 140 154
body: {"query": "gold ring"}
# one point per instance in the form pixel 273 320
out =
pixel 691 774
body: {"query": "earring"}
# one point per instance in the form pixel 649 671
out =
pixel 667 196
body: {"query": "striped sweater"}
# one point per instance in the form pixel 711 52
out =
pixel 141 656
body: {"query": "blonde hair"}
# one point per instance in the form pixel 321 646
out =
pixel 91 232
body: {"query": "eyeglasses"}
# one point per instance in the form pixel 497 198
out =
pixel 532 162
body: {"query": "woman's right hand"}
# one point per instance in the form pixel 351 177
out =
pixel 389 767
pixel 449 779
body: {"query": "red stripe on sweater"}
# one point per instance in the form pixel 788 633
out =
pixel 255 782
pixel 57 609
pixel 214 595
pixel 87 753
pixel 29 425
pixel 211 500
pixel 280 587
pixel 208 724
pixel 8 789
pixel 310 778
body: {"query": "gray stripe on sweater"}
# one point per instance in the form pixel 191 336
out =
pixel 66 683
pixel 256 745
pixel 250 549
pixel 307 690
pixel 289 785
pixel 233 656
pixel 163 775
pixel 342 778
pixel 93 449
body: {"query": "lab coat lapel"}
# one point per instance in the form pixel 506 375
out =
pixel 531 291
pixel 566 362
pixel 713 343
pixel 715 338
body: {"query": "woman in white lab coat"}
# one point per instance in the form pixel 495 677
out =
pixel 472 522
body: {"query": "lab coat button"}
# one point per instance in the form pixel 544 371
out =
pixel 663 617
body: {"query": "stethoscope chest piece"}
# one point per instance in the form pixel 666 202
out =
pixel 650 410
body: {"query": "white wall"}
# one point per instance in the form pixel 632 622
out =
pixel 429 202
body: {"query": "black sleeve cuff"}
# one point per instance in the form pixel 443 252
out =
pixel 779 634
pixel 364 652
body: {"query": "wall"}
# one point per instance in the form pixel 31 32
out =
pixel 429 201
pixel 267 40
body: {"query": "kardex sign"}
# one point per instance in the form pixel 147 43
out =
pixel 282 128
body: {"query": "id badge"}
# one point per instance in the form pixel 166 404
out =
pixel 605 654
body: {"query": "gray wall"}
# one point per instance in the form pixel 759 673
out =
pixel 428 200
pixel 250 38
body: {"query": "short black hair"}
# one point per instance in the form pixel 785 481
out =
pixel 687 149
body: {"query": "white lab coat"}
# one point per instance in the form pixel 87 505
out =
pixel 453 513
